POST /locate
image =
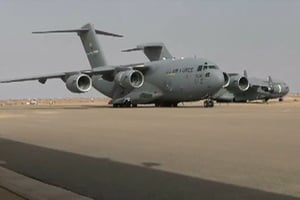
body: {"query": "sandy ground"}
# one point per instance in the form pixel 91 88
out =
pixel 250 149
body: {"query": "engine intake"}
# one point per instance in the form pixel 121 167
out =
pixel 79 83
pixel 276 89
pixel 226 80
pixel 130 79
pixel 239 83
pixel 243 84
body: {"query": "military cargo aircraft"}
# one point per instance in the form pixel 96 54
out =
pixel 164 81
pixel 244 88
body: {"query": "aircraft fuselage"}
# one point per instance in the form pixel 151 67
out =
pixel 170 80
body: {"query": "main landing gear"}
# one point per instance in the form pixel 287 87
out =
pixel 126 104
pixel 208 103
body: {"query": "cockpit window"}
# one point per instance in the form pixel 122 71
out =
pixel 199 68
pixel 212 67
pixel 204 67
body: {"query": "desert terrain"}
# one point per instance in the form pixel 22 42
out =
pixel 231 151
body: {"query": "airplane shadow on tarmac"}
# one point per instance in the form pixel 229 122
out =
pixel 102 178
pixel 86 107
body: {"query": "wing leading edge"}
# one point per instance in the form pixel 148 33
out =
pixel 107 71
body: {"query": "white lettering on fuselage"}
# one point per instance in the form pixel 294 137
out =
pixel 180 70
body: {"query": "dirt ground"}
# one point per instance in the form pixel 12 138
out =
pixel 254 146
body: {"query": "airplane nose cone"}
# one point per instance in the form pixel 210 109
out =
pixel 287 89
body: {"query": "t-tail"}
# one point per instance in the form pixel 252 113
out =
pixel 92 48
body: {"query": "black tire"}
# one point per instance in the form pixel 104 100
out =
pixel 205 103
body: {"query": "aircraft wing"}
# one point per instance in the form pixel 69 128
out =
pixel 106 71
pixel 58 75
pixel 256 82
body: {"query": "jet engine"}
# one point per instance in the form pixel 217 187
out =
pixel 276 89
pixel 130 79
pixel 226 80
pixel 240 82
pixel 243 84
pixel 79 83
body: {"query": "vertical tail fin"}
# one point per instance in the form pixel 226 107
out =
pixel 245 73
pixel 270 82
pixel 92 48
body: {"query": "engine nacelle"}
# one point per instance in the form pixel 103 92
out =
pixel 240 83
pixel 276 89
pixel 130 79
pixel 226 80
pixel 79 83
pixel 243 84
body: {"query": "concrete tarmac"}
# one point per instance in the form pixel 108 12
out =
pixel 7 195
pixel 232 151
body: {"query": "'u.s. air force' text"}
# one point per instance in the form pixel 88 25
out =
pixel 181 70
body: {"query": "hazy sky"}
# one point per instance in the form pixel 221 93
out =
pixel 262 36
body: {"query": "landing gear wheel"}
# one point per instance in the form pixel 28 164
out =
pixel 211 103
pixel 208 103
pixel 127 104
pixel 280 99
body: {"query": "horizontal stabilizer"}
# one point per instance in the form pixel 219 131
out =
pixel 87 34
pixel 82 30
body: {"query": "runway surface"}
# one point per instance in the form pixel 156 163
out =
pixel 6 195
pixel 241 151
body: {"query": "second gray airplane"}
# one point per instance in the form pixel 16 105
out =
pixel 164 81
pixel 242 88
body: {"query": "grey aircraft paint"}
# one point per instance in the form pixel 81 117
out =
pixel 164 81
pixel 237 88
pixel 250 89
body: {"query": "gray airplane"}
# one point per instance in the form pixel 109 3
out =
pixel 164 81
pixel 244 88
